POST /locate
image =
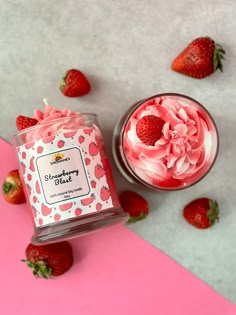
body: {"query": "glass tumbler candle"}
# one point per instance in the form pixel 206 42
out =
pixel 165 142
pixel 67 178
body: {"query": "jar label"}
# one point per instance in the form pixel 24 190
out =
pixel 63 175
pixel 66 175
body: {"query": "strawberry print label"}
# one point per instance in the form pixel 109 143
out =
pixel 63 175
pixel 66 175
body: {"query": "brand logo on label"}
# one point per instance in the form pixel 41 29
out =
pixel 58 158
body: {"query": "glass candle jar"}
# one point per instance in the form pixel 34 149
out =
pixel 67 178
pixel 165 142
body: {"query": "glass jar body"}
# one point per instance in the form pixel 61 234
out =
pixel 183 155
pixel 67 178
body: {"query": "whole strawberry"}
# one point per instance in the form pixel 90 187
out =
pixel 149 129
pixel 201 213
pixel 49 260
pixel 200 58
pixel 12 188
pixel 134 204
pixel 23 122
pixel 74 84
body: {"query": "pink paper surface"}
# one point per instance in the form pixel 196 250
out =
pixel 115 272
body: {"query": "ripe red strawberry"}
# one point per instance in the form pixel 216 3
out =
pixel 200 58
pixel 12 188
pixel 201 213
pixel 49 260
pixel 149 129
pixel 74 84
pixel 134 204
pixel 23 122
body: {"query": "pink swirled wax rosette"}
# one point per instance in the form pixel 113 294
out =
pixel 179 156
pixel 50 122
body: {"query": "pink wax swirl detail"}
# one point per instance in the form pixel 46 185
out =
pixel 183 148
pixel 51 114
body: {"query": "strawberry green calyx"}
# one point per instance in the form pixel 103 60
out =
pixel 138 218
pixel 63 82
pixel 7 187
pixel 39 268
pixel 218 56
pixel 213 212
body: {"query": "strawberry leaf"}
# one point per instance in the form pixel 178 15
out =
pixel 39 268
pixel 138 218
pixel 7 187
pixel 218 56
pixel 213 212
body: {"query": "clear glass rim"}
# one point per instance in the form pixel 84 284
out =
pixel 123 121
pixel 21 132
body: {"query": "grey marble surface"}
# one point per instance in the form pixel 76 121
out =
pixel 125 48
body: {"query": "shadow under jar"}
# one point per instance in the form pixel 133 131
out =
pixel 180 156
pixel 67 178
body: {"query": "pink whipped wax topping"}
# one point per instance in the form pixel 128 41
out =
pixel 49 115
pixel 183 148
